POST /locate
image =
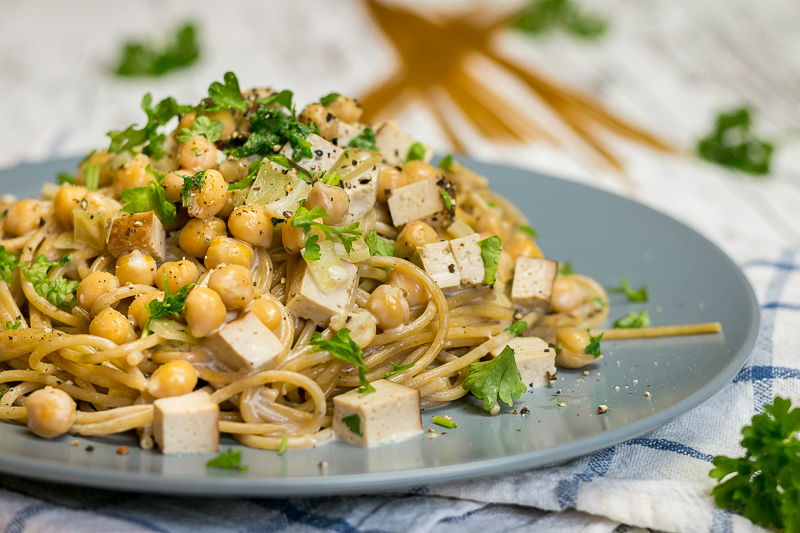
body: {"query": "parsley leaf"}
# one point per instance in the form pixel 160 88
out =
pixel 148 136
pixel 594 346
pixel 342 347
pixel 444 422
pixel 13 325
pixel 331 178
pixel 8 262
pixel 763 485
pixel 490 254
pixel 304 218
pixel 598 302
pixel 58 291
pixel 210 129
pixel 416 152
pixel 191 182
pixel 230 459
pixel 446 163
pixel 633 320
pixel 149 198
pixel 283 98
pixel 312 250
pixel 365 140
pixel 565 269
pixel 732 144
pixel 159 176
pixel 271 128
pixel 329 99
pixel 448 202
pixel 172 304
pixel 545 16
pixel 64 177
pixel 91 176
pixel 227 95
pixel 530 232
pixel 378 245
pixel 495 379
pixel 638 295
pixel 145 59
pixel 397 369
pixel 517 328
pixel 353 423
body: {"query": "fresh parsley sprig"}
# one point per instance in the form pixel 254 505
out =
pixel 8 263
pixel 593 348
pixel 353 423
pixel 733 144
pixel 140 59
pixel 59 291
pixel 305 219
pixel 13 325
pixel 378 245
pixel 397 369
pixel 366 140
pixel 189 183
pixel 416 152
pixel 227 95
pixel 490 254
pixel 147 137
pixel 342 347
pixel 497 379
pixel 544 16
pixel 152 197
pixel 210 129
pixel 529 231
pixel 633 320
pixel 329 99
pixel 230 459
pixel 172 304
pixel 633 295
pixel 517 328
pixel 565 269
pixel 252 172
pixel 446 163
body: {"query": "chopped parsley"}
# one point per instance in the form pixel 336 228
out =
pixel 517 328
pixel 329 99
pixel 416 152
pixel 331 178
pixel 227 95
pixel 444 422
pixel 59 291
pixel 210 129
pixel 284 443
pixel 378 245
pixel 230 459
pixel 304 218
pixel 270 129
pixel 139 59
pixel 148 137
pixel 342 347
pixel 530 232
pixel 172 304
pixel 13 325
pixel 490 254
pixel 397 369
pixel 565 269
pixel 446 163
pixel 732 144
pixel 365 140
pixel 637 295
pixel 311 250
pixel 541 17
pixel 496 379
pixel 353 423
pixel 593 347
pixel 598 302
pixel 252 172
pixel 149 198
pixel 633 320
pixel 8 262
pixel 191 182
pixel 159 176
pixel 448 202
pixel 91 176
pixel 283 98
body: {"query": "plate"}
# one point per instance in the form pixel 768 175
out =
pixel 604 236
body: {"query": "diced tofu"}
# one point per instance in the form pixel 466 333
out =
pixel 415 201
pixel 468 258
pixel 390 414
pixel 439 262
pixel 394 144
pixel 536 360
pixel 326 155
pixel 245 344
pixel 140 231
pixel 533 282
pixel 308 300
pixel 186 424
pixel 340 133
pixel 362 192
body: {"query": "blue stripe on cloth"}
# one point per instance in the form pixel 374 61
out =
pixel 19 521
pixel 670 446
pixel 779 305
pixel 599 465
pixel 721 521
pixel 293 514
pixel 773 264
pixel 761 373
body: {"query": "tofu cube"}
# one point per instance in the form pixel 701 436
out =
pixel 186 424
pixel 139 231
pixel 362 192
pixel 533 282
pixel 439 262
pixel 415 201
pixel 390 414
pixel 468 258
pixel 340 133
pixel 394 144
pixel 308 300
pixel 536 360
pixel 326 155
pixel 245 344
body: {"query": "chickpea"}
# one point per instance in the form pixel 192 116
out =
pixel 267 312
pixel 234 169
pixel 523 246
pixel 252 225
pixel 138 308
pixel 414 292
pixel 178 274
pixel 186 121
pixel 389 178
pixel 132 175
pixel 361 325
pixel 95 201
pixel 334 200
pixel 101 158
pixel 205 311
pixel 414 235
pixel 346 109
pixel 112 325
pixel 568 295
pixel 172 183
pixel 319 115
pixel 197 234
pixel 389 307
pixel 51 412
pixel 137 268
pixel 197 154
pixel 573 342
pixel 67 198
pixel 228 123
pixel 228 251
pixel 419 171
pixel 294 239
pixel 491 224
pixel 24 217
pixel 175 378
pixel 234 284
pixel 232 200
pixel 210 197
pixel 95 285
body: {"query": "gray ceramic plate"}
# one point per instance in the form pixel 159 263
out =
pixel 604 236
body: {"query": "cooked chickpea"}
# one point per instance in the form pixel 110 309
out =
pixel 228 123
pixel 232 200
pixel 132 174
pixel 491 224
pixel 138 308
pixel 228 251
pixel 186 121
pixel 252 225
pixel 319 115
pixel 234 169
pixel 197 234
pixel 67 198
pixel 572 342
pixel 389 178
pixel 172 183
pixel 51 412
pixel 419 171
pixel 136 267
pixel 197 154
pixel 112 325
pixel 175 378
pixel 178 273
pixel 334 200
pixel 210 197
pixel 267 312
pixel 95 285
pixel 568 295
pixel 95 201
pixel 205 311
pixel 414 292
pixel 523 246
pixel 24 217
pixel 346 109
pixel 294 239
pixel 234 284
pixel 101 158
pixel 389 307
pixel 361 325
pixel 414 235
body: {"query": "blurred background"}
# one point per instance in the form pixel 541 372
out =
pixel 688 105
